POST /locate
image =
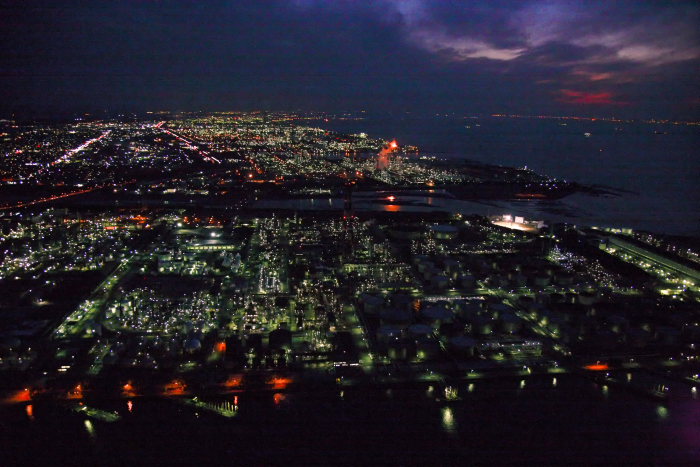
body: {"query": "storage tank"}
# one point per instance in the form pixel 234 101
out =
pixel 401 301
pixel 440 282
pixel 444 231
pixel 452 267
pixel 526 302
pixel 192 345
pixel 419 330
pixel 427 348
pixel 637 337
pixel 556 298
pixel 510 323
pixel 607 339
pixel 396 316
pixel 541 280
pixel 587 298
pixel 520 280
pixel 397 350
pixel 668 335
pixel 467 281
pixel 280 339
pixel 436 315
pixel 468 309
pixel 388 333
pixel 497 309
pixel 371 304
pixel 617 324
pixel 425 265
pixel 430 272
pixel 254 341
pixel 556 323
pixel 482 325
pixel 462 346
pixel 420 259
pixel 564 278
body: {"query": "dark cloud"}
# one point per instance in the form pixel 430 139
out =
pixel 419 55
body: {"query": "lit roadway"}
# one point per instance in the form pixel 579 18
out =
pixel 190 145
pixel 96 302
pixel 48 199
pixel 82 147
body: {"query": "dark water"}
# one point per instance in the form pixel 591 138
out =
pixel 575 422
pixel 657 174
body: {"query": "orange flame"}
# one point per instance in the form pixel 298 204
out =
pixel 77 392
pixel 233 382
pixel 278 398
pixel 597 367
pixel 128 390
pixel 174 388
pixel 280 383
pixel 20 396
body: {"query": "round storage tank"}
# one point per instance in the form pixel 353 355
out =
pixel 396 316
pixel 637 337
pixel 497 309
pixel 401 301
pixel 617 324
pixel 587 298
pixel 607 339
pixel 436 315
pixel 668 335
pixel 419 330
pixel 555 298
pixel 280 339
pixel 444 231
pixel 462 346
pixel 482 325
pixel 526 302
pixel 452 267
pixel 420 259
pixel 564 278
pixel 510 324
pixel 397 350
pixel 371 304
pixel 541 280
pixel 192 345
pixel 440 282
pixel 467 281
pixel 388 333
pixel 426 265
pixel 427 348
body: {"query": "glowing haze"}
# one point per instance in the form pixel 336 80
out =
pixel 593 57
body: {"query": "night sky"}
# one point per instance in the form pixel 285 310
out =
pixel 594 58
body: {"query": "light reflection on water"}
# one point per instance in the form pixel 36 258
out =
pixel 449 424
pixel 495 416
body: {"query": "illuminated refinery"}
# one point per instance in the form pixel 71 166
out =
pixel 204 258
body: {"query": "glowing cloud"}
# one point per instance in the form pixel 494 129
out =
pixel 568 96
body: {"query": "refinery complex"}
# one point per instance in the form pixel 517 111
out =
pixel 200 258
